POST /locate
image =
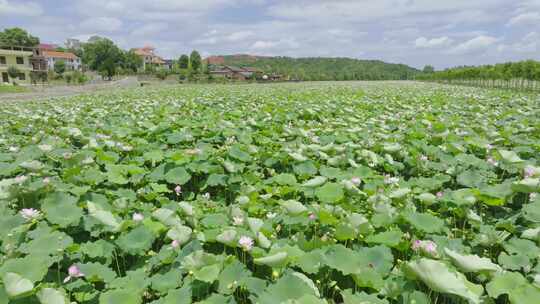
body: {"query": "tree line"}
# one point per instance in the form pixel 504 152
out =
pixel 518 75
pixel 325 69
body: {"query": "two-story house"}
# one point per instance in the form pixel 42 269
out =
pixel 149 57
pixel 18 57
pixel 73 63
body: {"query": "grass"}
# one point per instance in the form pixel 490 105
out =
pixel 5 89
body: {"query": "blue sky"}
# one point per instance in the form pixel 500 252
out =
pixel 416 32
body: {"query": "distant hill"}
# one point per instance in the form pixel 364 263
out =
pixel 320 68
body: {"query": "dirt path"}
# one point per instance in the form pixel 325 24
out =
pixel 65 91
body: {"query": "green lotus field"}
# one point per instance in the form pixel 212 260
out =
pixel 371 193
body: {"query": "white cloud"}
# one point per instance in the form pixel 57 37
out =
pixel 206 41
pixel 20 8
pixel 530 43
pixel 288 43
pixel 424 43
pixel 84 37
pixel 477 44
pixel 263 45
pixel 353 10
pixel 150 29
pixel 214 37
pixel 525 18
pixel 102 24
pixel 238 36
pixel 156 10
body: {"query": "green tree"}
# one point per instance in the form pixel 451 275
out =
pixel 183 62
pixel 132 61
pixel 196 61
pixel 107 68
pixel 428 69
pixel 59 67
pixel 316 68
pixel 103 56
pixel 17 37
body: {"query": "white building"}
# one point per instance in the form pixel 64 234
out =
pixel 72 43
pixel 73 63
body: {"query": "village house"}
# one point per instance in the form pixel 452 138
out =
pixel 149 57
pixel 73 63
pixel 27 60
pixel 47 47
pixel 168 64
pixel 235 73
pixel 74 44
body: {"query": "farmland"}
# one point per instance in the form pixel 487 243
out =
pixel 289 193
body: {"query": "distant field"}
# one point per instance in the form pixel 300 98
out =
pixel 377 192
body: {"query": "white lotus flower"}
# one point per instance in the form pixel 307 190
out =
pixel 271 215
pixel 45 148
pixel 238 220
pixel 87 161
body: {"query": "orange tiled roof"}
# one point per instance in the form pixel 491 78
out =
pixel 62 55
pixel 158 60
pixel 143 52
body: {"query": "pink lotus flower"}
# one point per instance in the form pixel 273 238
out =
pixel 430 247
pixel 492 161
pixel 312 216
pixel 137 217
pixel 246 243
pixel 416 245
pixel 46 180
pixel 175 244
pixel 178 189
pixel 426 247
pixel 528 172
pixel 30 213
pixel 73 273
pixel 21 179
pixel 440 194
pixel 356 181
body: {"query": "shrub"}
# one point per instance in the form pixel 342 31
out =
pixel 162 74
pixel 13 73
pixel 68 78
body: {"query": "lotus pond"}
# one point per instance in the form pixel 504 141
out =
pixel 293 193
